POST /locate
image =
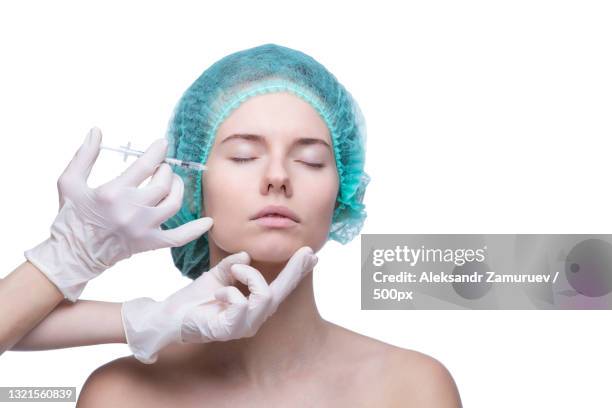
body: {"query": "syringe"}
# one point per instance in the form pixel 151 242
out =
pixel 128 151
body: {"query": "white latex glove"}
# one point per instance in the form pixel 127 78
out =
pixel 209 308
pixel 96 228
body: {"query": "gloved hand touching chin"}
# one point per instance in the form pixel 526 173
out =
pixel 209 308
pixel 96 228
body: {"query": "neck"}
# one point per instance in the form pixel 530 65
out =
pixel 287 342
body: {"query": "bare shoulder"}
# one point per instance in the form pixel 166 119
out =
pixel 406 377
pixel 118 383
pixel 423 381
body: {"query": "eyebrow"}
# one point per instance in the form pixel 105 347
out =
pixel 303 141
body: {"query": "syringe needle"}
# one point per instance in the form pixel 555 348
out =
pixel 128 151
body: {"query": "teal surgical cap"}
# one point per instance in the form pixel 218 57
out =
pixel 222 88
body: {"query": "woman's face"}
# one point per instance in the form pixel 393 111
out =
pixel 274 149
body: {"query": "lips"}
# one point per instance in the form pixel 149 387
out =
pixel 278 211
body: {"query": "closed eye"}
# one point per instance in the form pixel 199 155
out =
pixel 315 165
pixel 242 159
pixel 248 159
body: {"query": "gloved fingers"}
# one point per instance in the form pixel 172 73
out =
pixel 231 295
pixel 233 318
pixel 76 173
pixel 302 261
pixel 93 153
pixel 163 175
pixel 172 202
pixel 144 166
pixel 222 273
pixel 182 234
pixel 260 298
pixel 196 326
pixel 158 188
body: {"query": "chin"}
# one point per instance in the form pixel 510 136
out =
pixel 268 246
pixel 272 249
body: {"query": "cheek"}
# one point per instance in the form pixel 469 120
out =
pixel 224 189
pixel 319 203
pixel 224 201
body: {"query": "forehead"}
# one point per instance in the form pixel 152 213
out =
pixel 276 115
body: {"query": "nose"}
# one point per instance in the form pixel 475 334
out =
pixel 276 179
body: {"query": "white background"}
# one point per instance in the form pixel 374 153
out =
pixel 483 117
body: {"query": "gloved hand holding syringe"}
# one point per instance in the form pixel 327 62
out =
pixel 97 227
